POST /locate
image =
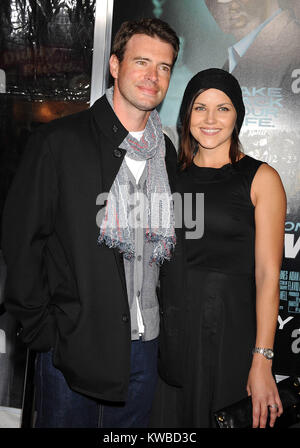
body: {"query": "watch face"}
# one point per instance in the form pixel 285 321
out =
pixel 269 354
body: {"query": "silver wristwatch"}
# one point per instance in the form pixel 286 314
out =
pixel 266 352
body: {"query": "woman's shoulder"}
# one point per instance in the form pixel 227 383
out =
pixel 248 167
pixel 267 183
pixel 267 174
pixel 247 162
pixel 263 169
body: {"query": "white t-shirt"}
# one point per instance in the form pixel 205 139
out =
pixel 137 168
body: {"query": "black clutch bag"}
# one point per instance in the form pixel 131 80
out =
pixel 239 415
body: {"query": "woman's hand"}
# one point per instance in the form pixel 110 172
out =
pixel 263 390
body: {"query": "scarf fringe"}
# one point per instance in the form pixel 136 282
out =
pixel 164 248
pixel 125 248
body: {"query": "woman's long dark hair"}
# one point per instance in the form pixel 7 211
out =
pixel 189 145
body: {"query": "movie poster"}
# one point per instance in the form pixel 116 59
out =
pixel 259 43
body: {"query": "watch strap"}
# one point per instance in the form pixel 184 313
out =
pixel 266 352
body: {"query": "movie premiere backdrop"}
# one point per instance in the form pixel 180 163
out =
pixel 54 61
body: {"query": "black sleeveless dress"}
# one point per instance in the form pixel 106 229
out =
pixel 220 297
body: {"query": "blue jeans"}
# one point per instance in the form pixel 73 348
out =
pixel 59 407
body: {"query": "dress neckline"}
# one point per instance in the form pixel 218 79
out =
pixel 221 167
pixel 208 174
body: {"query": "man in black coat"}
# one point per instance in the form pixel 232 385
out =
pixel 90 310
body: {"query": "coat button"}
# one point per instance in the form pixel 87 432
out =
pixel 19 330
pixel 125 318
pixel 115 128
pixel 117 153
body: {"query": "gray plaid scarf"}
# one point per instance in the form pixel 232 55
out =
pixel 155 208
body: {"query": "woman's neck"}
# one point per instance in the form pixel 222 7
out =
pixel 211 158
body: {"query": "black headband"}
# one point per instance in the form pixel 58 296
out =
pixel 215 78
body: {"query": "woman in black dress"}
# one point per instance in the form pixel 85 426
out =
pixel 222 290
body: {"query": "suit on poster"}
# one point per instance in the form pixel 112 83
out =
pixel 273 55
pixel 68 292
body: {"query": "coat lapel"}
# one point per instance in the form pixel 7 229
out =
pixel 111 133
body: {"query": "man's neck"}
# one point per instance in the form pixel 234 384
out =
pixel 131 118
pixel 271 10
pixel 242 32
pixel 134 120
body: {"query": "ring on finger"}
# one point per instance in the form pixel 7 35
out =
pixel 273 406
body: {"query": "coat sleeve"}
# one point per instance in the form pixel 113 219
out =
pixel 28 220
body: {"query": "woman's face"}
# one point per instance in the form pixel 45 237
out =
pixel 213 119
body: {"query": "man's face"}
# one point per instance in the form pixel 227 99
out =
pixel 142 78
pixel 237 16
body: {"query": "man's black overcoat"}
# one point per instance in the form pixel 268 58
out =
pixel 67 291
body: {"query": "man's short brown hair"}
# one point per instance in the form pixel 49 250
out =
pixel 151 27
